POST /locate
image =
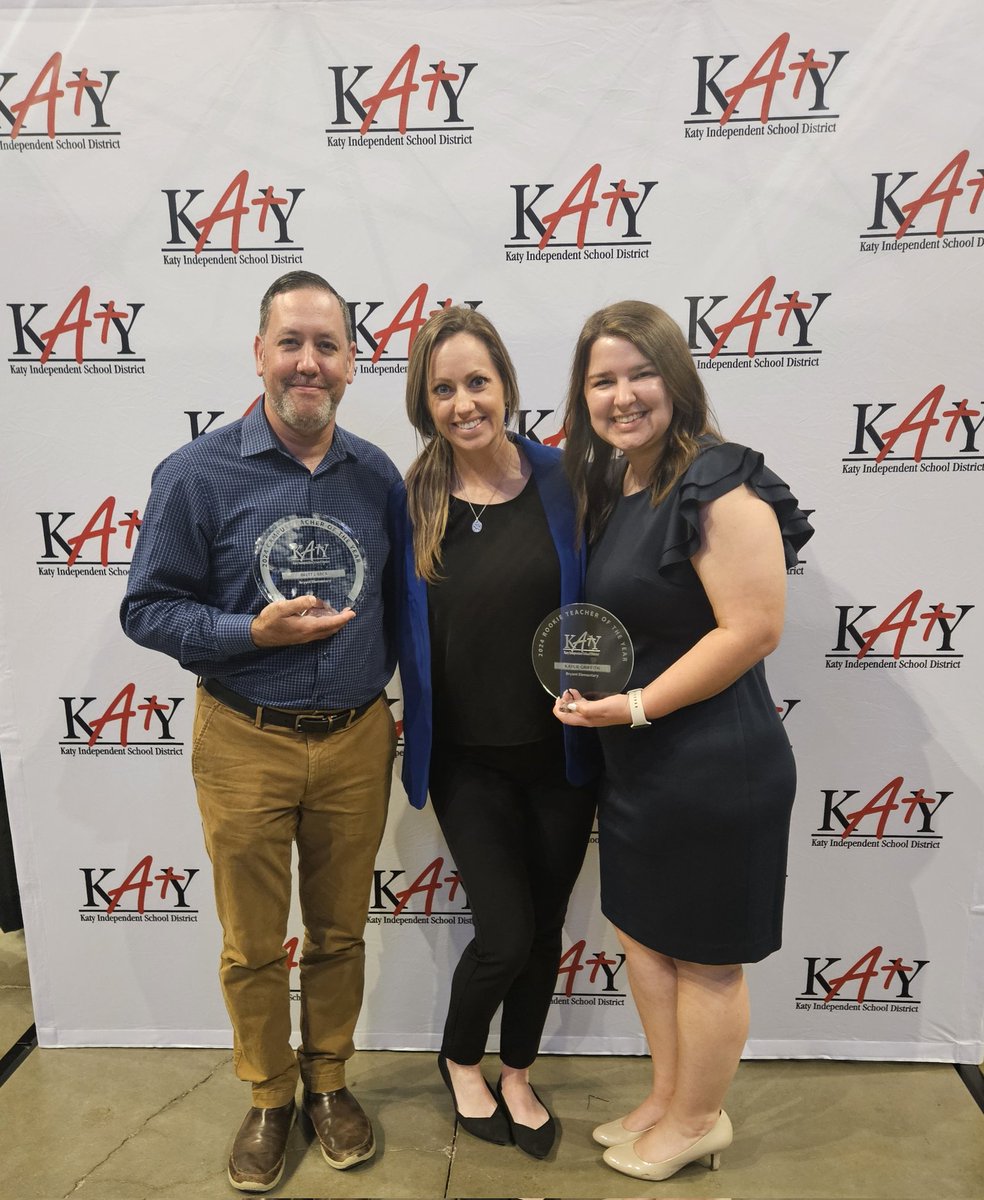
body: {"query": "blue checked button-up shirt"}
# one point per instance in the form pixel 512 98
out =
pixel 192 593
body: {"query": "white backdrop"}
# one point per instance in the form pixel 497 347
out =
pixel 799 186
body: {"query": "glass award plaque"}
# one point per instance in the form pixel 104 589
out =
pixel 310 556
pixel 585 647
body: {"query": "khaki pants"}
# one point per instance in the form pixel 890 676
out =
pixel 260 790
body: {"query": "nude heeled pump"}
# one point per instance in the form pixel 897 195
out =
pixel 709 1147
pixel 614 1133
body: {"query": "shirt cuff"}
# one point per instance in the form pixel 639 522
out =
pixel 232 634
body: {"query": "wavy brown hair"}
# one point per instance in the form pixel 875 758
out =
pixel 589 459
pixel 431 473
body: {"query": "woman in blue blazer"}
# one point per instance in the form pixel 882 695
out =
pixel 490 553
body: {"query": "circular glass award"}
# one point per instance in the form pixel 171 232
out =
pixel 585 647
pixel 310 556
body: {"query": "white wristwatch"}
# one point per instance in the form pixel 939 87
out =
pixel 636 710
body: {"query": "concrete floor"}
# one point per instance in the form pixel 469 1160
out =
pixel 157 1125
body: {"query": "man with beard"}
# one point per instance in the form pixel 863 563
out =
pixel 293 739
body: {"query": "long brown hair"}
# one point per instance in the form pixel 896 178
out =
pixel 589 459
pixel 430 476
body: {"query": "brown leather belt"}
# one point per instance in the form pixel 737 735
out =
pixel 316 720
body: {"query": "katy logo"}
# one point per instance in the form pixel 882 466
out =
pixel 896 816
pixel 139 895
pixel 937 435
pixel 310 553
pixel 916 633
pixel 769 328
pixel 783 92
pixel 201 421
pixel 101 544
pixel 123 726
pixel 418 100
pixel 528 420
pixel 293 960
pixel 85 337
pixel 585 977
pixel 384 337
pixel 911 214
pixel 875 970
pixel 434 896
pixel 259 213
pixel 598 218
pixel 582 643
pixel 56 108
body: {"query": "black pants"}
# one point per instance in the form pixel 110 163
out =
pixel 517 831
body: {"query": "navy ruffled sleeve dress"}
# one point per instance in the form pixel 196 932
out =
pixel 694 815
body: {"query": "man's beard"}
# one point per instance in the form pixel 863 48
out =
pixel 308 420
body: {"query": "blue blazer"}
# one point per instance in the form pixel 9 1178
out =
pixel 580 745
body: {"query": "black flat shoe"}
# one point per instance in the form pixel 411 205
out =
pixel 493 1129
pixel 536 1142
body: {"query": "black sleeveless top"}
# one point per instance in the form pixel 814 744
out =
pixel 497 587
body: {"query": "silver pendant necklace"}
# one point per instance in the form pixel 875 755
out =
pixel 476 525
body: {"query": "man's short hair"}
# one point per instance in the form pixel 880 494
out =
pixel 295 281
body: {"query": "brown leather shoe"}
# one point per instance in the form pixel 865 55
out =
pixel 258 1153
pixel 342 1127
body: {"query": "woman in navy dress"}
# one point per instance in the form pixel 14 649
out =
pixel 689 540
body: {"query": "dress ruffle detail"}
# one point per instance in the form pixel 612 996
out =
pixel 718 470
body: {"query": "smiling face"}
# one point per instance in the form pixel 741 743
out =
pixel 627 401
pixel 305 360
pixel 465 395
